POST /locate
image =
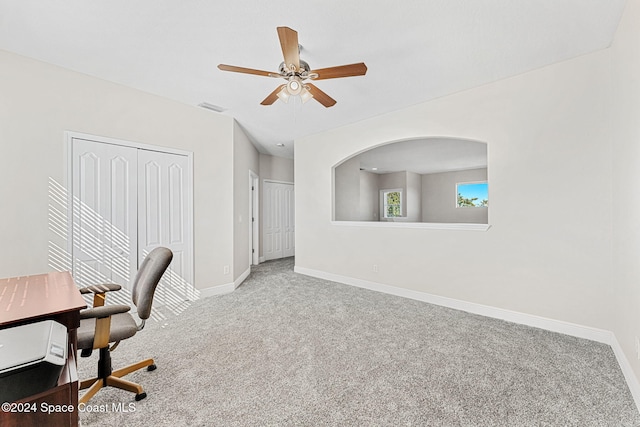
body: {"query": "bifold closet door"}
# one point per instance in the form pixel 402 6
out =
pixel 127 201
pixel 288 221
pixel 104 212
pixel 163 216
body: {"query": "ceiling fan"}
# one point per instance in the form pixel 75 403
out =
pixel 297 73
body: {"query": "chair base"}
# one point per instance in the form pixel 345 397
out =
pixel 108 378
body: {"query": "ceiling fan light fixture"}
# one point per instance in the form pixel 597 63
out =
pixel 283 94
pixel 294 86
pixel 305 94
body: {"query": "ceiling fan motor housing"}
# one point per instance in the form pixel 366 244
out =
pixel 286 71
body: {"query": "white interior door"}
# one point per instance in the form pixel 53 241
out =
pixel 272 229
pixel 104 212
pixel 278 220
pixel 126 201
pixel 288 220
pixel 163 217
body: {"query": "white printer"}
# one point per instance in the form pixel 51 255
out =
pixel 32 357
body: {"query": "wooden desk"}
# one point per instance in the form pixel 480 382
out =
pixel 32 299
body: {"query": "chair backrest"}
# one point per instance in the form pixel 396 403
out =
pixel 149 274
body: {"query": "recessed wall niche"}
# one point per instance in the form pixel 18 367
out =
pixel 413 181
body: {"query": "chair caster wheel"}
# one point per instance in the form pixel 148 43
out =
pixel 140 396
pixel 152 367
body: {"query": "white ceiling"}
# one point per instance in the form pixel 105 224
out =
pixel 415 50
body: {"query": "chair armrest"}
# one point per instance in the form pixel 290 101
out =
pixel 103 311
pixel 100 289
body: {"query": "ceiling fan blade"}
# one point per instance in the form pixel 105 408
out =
pixel 350 70
pixel 273 96
pixel 290 49
pixel 235 69
pixel 320 96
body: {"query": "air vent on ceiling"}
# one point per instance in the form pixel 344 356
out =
pixel 212 107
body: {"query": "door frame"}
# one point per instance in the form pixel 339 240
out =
pixel 254 210
pixel 69 136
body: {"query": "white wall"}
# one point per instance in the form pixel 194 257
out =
pixel 347 191
pixel 414 197
pixel 625 137
pixel 547 133
pixel 39 102
pixel 439 198
pixel 276 168
pixel 369 195
pixel 245 158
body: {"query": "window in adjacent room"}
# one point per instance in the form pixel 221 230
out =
pixel 472 194
pixel 392 203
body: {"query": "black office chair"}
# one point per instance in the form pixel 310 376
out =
pixel 102 325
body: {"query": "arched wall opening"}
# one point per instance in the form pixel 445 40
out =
pixel 440 180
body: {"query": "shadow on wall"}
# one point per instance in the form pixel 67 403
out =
pixel 431 180
pixel 98 253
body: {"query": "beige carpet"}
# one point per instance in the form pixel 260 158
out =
pixel 286 349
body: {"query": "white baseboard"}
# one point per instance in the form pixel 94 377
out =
pixel 241 278
pixel 470 307
pixel 572 329
pixel 217 290
pixel 226 288
pixel 261 259
pixel 627 370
